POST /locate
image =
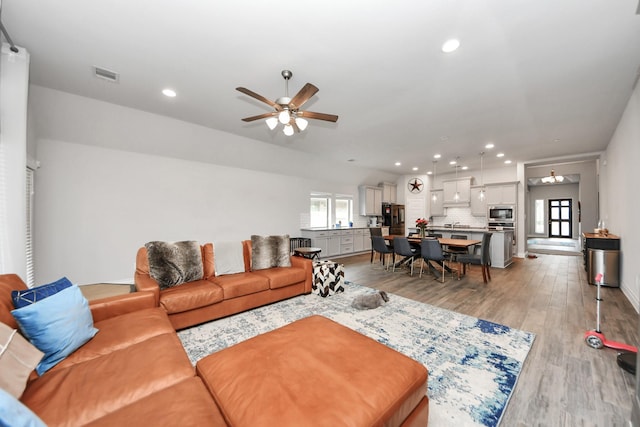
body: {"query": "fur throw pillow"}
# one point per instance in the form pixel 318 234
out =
pixel 269 252
pixel 366 302
pixel 174 263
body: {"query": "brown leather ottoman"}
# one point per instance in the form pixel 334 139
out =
pixel 316 372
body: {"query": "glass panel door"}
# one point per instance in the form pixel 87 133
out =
pixel 560 223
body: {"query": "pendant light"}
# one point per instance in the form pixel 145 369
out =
pixel 456 197
pixel 482 194
pixel 434 195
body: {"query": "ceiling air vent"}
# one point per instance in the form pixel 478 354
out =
pixel 103 73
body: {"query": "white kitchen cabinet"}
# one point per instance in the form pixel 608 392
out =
pixel 335 242
pixel 501 248
pixel 358 239
pixel 502 194
pixel 478 206
pixel 462 186
pixel 370 200
pixel 389 192
pixel 346 242
pixel 437 203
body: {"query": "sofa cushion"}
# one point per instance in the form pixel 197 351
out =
pixel 22 298
pixel 269 252
pixel 237 285
pixel 190 296
pixel 18 357
pixel 87 391
pixel 13 413
pixel 280 277
pixel 174 263
pixel 57 325
pixel 119 332
pixel 192 402
pixel 228 258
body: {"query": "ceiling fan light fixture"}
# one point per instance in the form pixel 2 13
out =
pixel 288 130
pixel 301 123
pixel 272 122
pixel 284 117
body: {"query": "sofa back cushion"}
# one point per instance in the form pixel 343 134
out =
pixel 8 283
pixel 228 257
pixel 174 263
pixel 270 252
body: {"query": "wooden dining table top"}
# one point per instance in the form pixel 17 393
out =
pixel 459 243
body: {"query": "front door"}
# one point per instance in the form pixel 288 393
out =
pixel 560 224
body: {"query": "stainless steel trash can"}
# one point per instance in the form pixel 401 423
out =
pixel 606 262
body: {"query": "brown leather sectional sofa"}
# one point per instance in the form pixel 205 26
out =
pixel 214 296
pixel 133 372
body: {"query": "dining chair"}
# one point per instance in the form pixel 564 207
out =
pixel 430 250
pixel 381 247
pixel 436 235
pixel 483 258
pixel 402 247
pixel 375 231
pixel 455 251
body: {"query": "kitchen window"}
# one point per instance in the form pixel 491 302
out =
pixel 319 209
pixel 344 210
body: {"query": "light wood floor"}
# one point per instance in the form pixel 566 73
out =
pixel 564 382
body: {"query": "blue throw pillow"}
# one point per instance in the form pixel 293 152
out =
pixel 33 295
pixel 57 325
pixel 14 414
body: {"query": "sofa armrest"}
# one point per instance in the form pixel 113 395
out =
pixel 142 279
pixel 307 264
pixel 105 308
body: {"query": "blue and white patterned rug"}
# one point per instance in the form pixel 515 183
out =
pixel 473 364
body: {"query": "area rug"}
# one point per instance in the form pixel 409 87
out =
pixel 473 364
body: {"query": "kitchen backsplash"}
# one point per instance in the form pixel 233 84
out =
pixel 460 215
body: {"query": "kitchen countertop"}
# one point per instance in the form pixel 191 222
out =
pixel 460 229
pixel 600 236
pixel 334 228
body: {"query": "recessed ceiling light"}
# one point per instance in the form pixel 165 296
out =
pixel 429 173
pixel 415 168
pixel 453 162
pixel 464 168
pixel 500 155
pixel 489 146
pixel 450 45
pixel 169 92
pixel 507 162
pixel 398 163
pixel 436 156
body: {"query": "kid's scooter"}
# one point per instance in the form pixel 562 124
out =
pixel 595 338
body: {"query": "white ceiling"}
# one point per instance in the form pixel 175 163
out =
pixel 540 79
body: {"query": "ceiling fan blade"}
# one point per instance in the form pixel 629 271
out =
pixel 303 96
pixel 258 97
pixel 318 116
pixel 258 117
pixel 293 123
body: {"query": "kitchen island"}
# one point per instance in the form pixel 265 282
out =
pixel 501 242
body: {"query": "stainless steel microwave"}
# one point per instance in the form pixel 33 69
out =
pixel 502 213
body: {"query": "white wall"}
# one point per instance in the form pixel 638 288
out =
pixel 96 205
pixel 557 191
pixel 14 84
pixel 620 205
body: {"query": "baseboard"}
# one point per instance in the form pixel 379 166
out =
pixel 632 297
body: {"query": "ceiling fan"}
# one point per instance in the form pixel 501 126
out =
pixel 287 110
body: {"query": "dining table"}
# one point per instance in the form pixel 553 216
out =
pixel 444 241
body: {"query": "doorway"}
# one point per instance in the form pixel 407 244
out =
pixel 560 214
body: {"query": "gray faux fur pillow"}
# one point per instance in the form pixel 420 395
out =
pixel 174 263
pixel 269 252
